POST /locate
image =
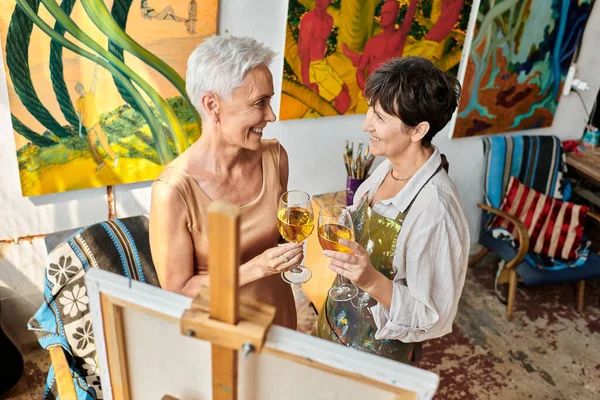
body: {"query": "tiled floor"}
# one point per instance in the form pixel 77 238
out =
pixel 31 385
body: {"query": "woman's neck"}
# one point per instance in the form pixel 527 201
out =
pixel 212 154
pixel 406 164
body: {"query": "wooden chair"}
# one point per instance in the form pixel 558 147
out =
pixel 525 149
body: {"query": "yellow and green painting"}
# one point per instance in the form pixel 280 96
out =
pixel 95 87
pixel 332 46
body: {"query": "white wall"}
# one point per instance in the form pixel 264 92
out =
pixel 314 147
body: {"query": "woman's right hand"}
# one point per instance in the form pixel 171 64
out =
pixel 281 258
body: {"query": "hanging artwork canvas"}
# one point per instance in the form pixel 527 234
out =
pixel 95 87
pixel 519 57
pixel 332 47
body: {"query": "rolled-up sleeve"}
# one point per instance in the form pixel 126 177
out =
pixel 425 297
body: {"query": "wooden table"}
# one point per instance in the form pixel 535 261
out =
pixel 322 279
pixel 587 166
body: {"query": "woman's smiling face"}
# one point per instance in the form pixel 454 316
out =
pixel 243 118
pixel 389 136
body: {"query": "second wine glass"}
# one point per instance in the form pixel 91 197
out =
pixel 295 221
pixel 335 223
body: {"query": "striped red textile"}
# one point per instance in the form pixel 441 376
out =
pixel 555 227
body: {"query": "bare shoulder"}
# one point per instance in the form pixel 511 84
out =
pixel 166 198
pixel 163 192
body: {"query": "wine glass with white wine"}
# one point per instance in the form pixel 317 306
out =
pixel 295 221
pixel 335 223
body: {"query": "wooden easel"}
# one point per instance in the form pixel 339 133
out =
pixel 217 315
pixel 124 312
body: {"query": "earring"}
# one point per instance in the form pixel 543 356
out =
pixel 216 118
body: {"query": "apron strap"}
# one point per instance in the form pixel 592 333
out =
pixel 402 215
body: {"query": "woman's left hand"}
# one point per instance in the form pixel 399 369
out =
pixel 355 266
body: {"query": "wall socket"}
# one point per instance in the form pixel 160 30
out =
pixel 572 83
pixel 580 85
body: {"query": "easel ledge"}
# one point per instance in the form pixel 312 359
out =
pixel 249 333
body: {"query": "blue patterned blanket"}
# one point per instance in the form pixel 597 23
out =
pixel 537 161
pixel 120 246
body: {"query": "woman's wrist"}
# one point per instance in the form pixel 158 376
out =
pixel 371 285
pixel 380 288
pixel 251 271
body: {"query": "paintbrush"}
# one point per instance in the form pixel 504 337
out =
pixel 346 162
pixel 357 163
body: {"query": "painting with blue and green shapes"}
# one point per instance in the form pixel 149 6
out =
pixel 518 60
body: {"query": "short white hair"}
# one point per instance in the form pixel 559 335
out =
pixel 219 65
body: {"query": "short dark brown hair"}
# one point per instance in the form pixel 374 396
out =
pixel 414 90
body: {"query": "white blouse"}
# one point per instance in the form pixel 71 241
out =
pixel 431 255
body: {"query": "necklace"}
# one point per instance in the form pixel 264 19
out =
pixel 398 179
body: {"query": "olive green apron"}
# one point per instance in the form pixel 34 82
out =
pixel 351 322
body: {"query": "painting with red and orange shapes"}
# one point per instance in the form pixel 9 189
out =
pixel 332 46
pixel 519 57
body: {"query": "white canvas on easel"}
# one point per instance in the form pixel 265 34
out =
pixel 159 360
pixel 152 343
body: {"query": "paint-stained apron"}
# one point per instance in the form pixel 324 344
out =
pixel 351 322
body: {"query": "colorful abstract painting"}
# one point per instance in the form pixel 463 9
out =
pixel 96 90
pixel 331 48
pixel 519 57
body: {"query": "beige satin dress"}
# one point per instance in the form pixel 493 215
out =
pixel 258 230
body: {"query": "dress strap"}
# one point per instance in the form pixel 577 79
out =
pixel 189 191
pixel 271 157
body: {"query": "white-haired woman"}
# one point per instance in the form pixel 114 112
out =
pixel 229 82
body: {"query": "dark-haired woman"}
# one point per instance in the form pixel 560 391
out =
pixel 410 256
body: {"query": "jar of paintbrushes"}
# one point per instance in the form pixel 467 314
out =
pixel 357 165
